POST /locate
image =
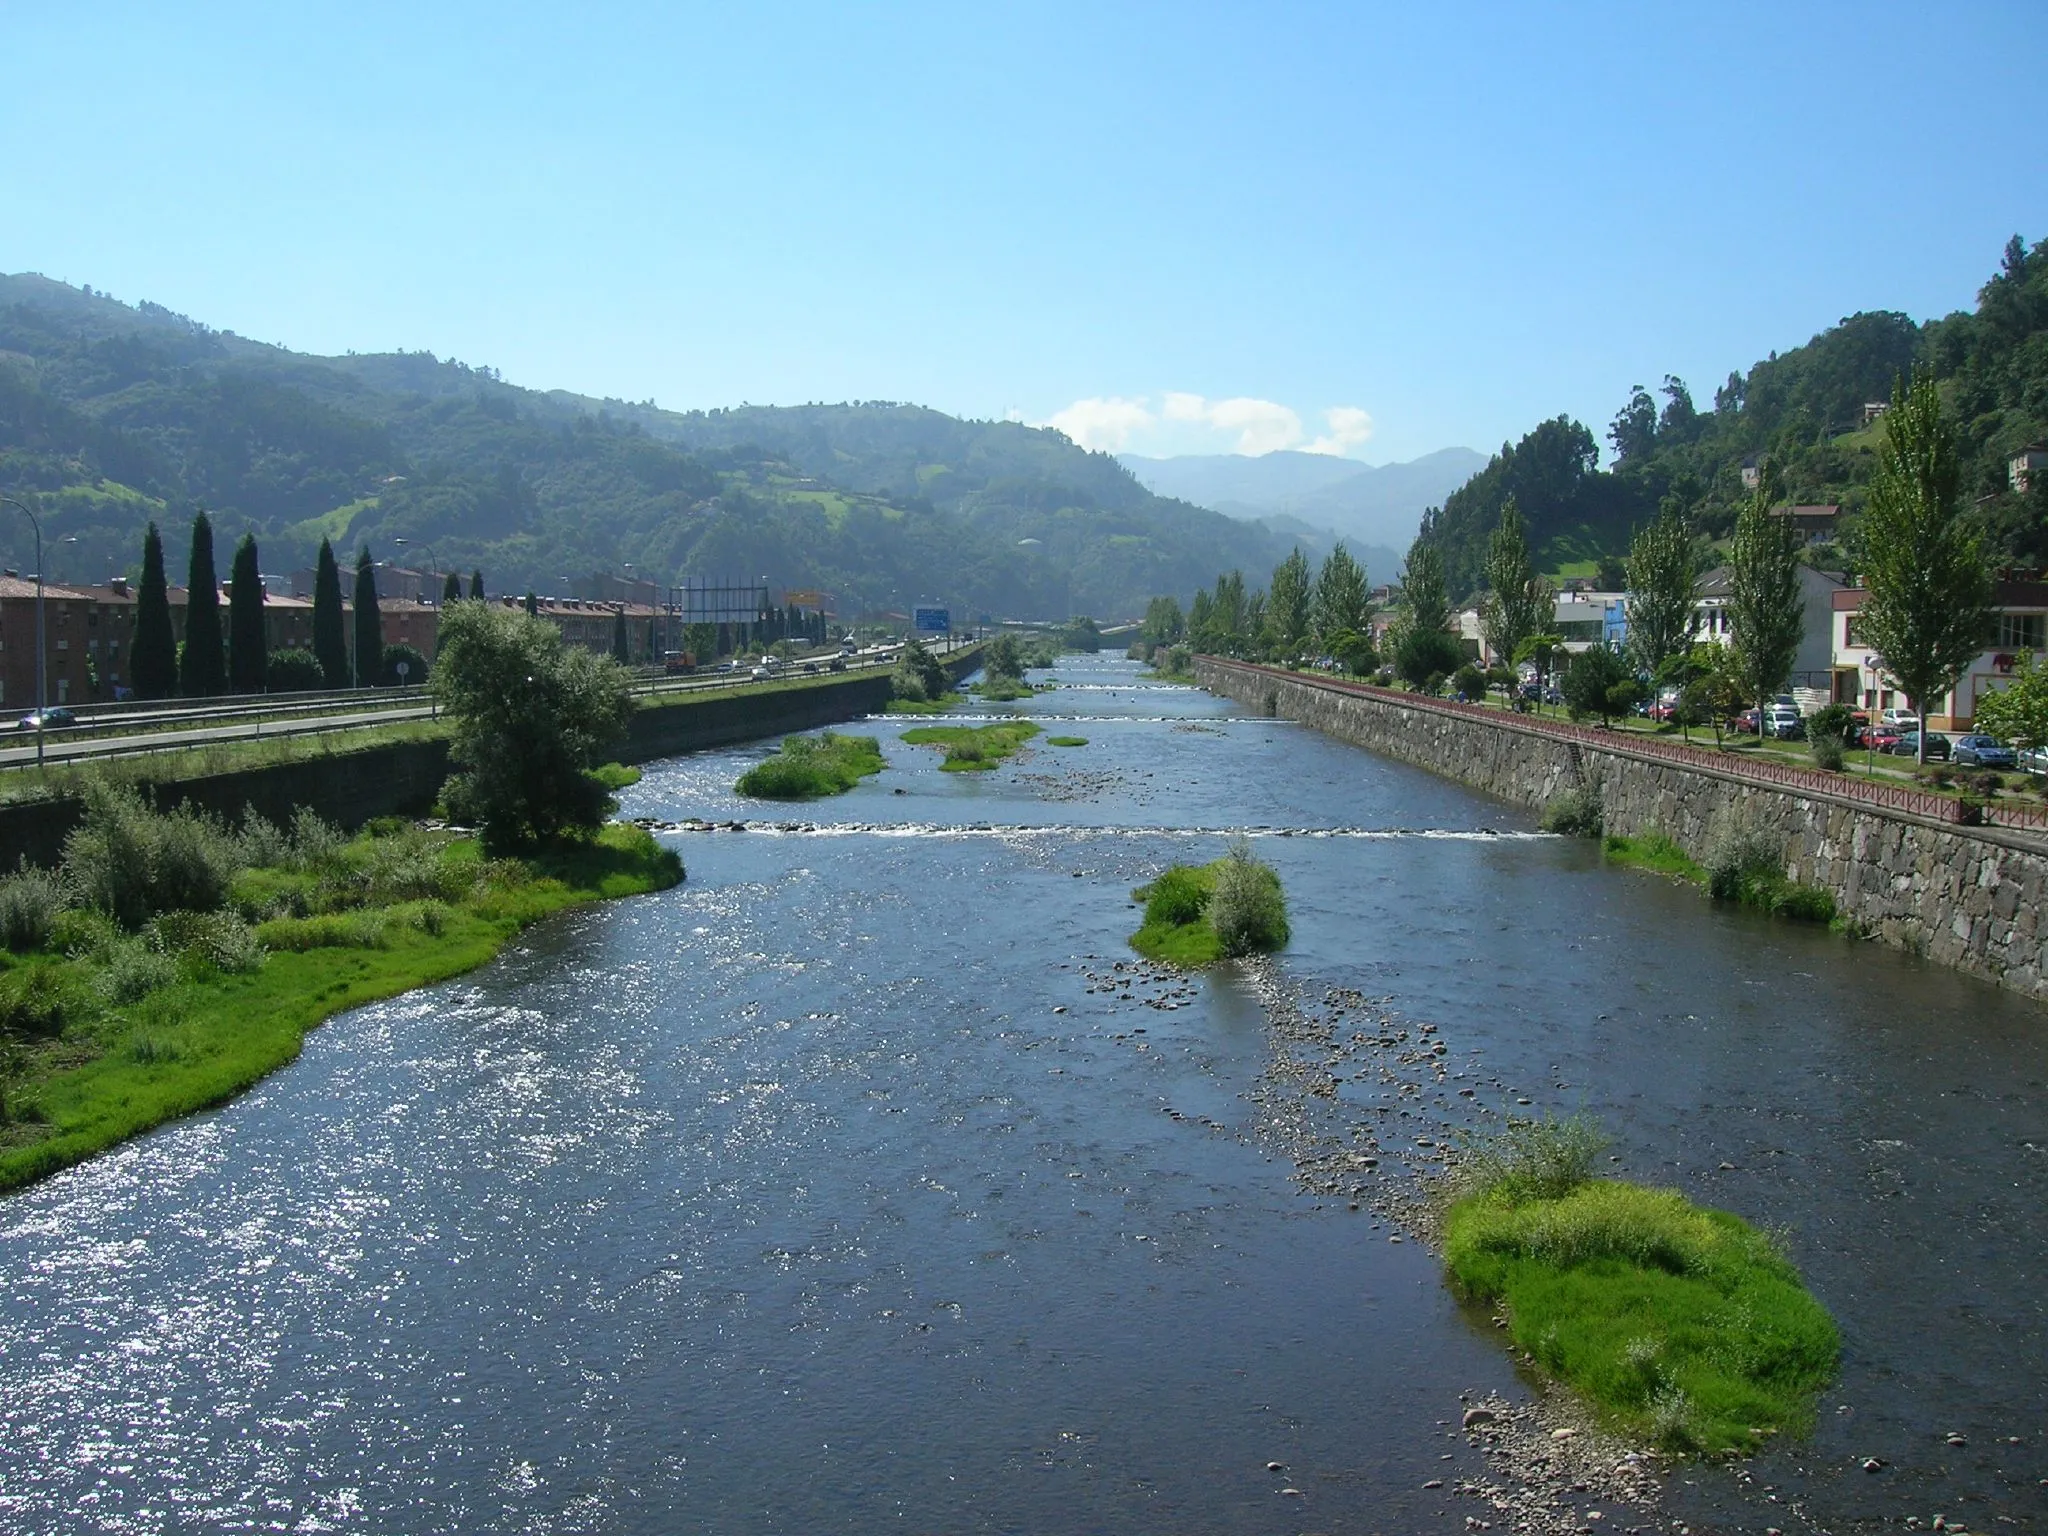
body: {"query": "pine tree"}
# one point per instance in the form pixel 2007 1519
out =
pixel 330 634
pixel 451 589
pixel 1766 609
pixel 476 585
pixel 153 663
pixel 369 625
pixel 248 649
pixel 201 665
pixel 622 651
pixel 1929 608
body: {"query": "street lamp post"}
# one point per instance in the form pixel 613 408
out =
pixel 36 524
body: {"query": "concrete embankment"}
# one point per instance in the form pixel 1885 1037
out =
pixel 1966 897
pixel 404 778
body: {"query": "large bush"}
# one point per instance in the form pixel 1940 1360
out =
pixel 1246 906
pixel 530 716
pixel 918 678
pixel 29 903
pixel 293 671
pixel 131 862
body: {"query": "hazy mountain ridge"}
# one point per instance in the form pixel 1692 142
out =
pixel 115 415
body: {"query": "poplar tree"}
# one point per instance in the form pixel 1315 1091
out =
pixel 1929 610
pixel 153 661
pixel 369 624
pixel 248 648
pixel 201 665
pixel 476 585
pixel 1663 590
pixel 1423 592
pixel 451 589
pixel 330 635
pixel 1342 605
pixel 1521 602
pixel 1287 604
pixel 1766 609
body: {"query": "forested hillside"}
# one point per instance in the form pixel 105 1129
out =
pixel 1805 409
pixel 114 415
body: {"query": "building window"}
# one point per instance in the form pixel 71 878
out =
pixel 63 689
pixel 1852 632
pixel 2021 631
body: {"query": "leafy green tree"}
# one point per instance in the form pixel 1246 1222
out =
pixel 330 633
pixel 532 605
pixel 247 644
pixel 1423 592
pixel 1521 602
pixel 1202 622
pixel 1595 684
pixel 1766 609
pixel 1663 590
pixel 530 716
pixel 1164 623
pixel 476 585
pixel 369 625
pixel 1425 657
pixel 1288 603
pixel 1229 635
pixel 1634 432
pixel 451 589
pixel 622 648
pixel 1343 603
pixel 201 669
pixel 701 641
pixel 153 659
pixel 406 656
pixel 1929 608
pixel 295 671
pixel 2018 712
pixel 1004 658
pixel 1354 652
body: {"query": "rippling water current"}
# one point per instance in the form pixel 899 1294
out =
pixel 788 1201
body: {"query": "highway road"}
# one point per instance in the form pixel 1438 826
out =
pixel 128 730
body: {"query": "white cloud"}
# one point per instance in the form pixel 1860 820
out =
pixel 1349 428
pixel 1183 407
pixel 1099 423
pixel 1261 425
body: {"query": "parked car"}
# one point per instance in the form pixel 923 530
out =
pixel 1784 722
pixel 2034 760
pixel 1903 719
pixel 54 718
pixel 1745 723
pixel 1881 738
pixel 1980 751
pixel 1908 745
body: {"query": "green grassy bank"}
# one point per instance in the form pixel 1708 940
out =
pixel 1679 1324
pixel 111 1025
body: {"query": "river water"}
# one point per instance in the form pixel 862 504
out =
pixel 846 1189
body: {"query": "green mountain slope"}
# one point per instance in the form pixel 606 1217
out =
pixel 114 414
pixel 1803 408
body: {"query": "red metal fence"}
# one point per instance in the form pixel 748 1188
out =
pixel 1842 786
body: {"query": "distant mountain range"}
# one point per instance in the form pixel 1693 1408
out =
pixel 114 415
pixel 1376 510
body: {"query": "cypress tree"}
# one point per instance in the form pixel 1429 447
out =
pixel 369 631
pixel 476 585
pixel 248 649
pixel 330 639
pixel 622 651
pixel 153 660
pixel 201 666
pixel 451 589
pixel 532 604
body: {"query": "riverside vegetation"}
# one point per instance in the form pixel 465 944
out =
pixel 973 748
pixel 1196 915
pixel 1680 1323
pixel 171 961
pixel 812 767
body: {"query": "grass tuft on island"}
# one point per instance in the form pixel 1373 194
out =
pixel 173 962
pixel 938 706
pixel 1002 690
pixel 973 748
pixel 1197 914
pixel 1066 741
pixel 812 767
pixel 1680 1324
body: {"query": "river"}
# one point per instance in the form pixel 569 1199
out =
pixel 847 1188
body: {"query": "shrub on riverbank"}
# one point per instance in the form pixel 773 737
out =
pixel 919 677
pixel 1575 812
pixel 1196 915
pixel 1680 1323
pixel 971 748
pixel 811 767
pixel 157 993
pixel 1746 864
pixel 1066 741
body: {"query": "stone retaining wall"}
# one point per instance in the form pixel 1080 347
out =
pixel 1964 897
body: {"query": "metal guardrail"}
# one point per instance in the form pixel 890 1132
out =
pixel 1894 797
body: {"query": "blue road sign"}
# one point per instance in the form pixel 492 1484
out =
pixel 932 621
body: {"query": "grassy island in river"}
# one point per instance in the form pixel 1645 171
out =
pixel 172 962
pixel 1196 915
pixel 811 767
pixel 973 748
pixel 1680 1324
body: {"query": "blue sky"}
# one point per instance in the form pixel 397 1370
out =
pixel 1171 228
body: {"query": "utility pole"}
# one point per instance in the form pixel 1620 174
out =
pixel 41 677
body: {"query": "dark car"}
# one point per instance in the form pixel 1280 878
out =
pixel 1980 751
pixel 52 719
pixel 1908 745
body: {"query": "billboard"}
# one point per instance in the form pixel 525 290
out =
pixel 931 621
pixel 710 600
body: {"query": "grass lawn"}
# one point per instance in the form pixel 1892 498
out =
pixel 84 1071
pixel 973 748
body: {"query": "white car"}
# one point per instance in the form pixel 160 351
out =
pixel 1901 719
pixel 762 673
